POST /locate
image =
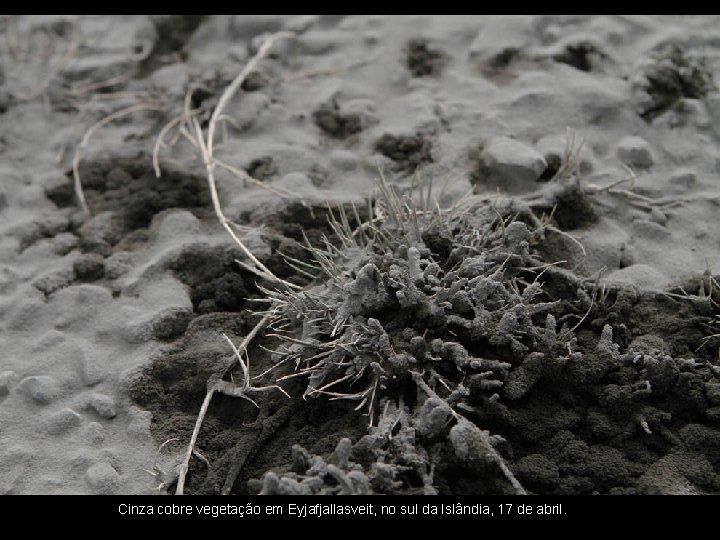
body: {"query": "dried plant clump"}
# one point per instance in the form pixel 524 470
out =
pixel 443 326
pixel 377 330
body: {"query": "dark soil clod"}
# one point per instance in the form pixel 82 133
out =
pixel 582 55
pixel 256 80
pixel 554 162
pixel 424 61
pixel 408 151
pixel 333 122
pixel 262 168
pixel 89 267
pixel 129 188
pixel 173 32
pixel 63 195
pixel 503 59
pixel 216 282
pixel 670 76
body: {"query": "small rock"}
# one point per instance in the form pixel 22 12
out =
pixel 685 178
pixel 62 421
pixel 7 381
pixel 94 433
pixel 90 371
pixel 40 388
pixel 176 224
pixel 171 323
pixel 54 281
pixel 103 405
pixel 514 160
pixel 64 243
pixel 100 232
pixel 635 151
pixel 89 266
pixel 118 264
pixel 103 478
pixel 139 427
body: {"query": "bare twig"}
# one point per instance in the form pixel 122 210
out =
pixel 205 146
pixel 182 470
pixel 243 175
pixel 86 87
pixel 234 86
pixel 160 141
pixel 227 388
pixel 210 164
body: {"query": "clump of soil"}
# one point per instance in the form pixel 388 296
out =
pixel 89 267
pixel 131 184
pixel 582 55
pixel 129 188
pixel 574 208
pixel 502 60
pixel 216 281
pixel 573 404
pixel 670 75
pixel 333 122
pixel 256 80
pixel 63 195
pixel 218 284
pixel 407 151
pixel 423 60
pixel 503 66
pixel 262 168
pixel 7 100
pixel 173 32
pixel 554 163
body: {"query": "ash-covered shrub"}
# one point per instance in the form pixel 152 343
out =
pixel 467 321
pixel 467 354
